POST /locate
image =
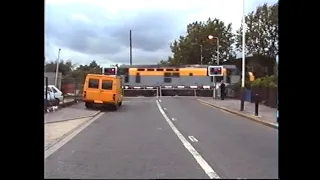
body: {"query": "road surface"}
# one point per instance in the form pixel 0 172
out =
pixel 195 141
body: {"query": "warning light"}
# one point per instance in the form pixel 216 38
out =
pixel 215 71
pixel 109 71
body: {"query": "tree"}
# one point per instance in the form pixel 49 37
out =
pixel 261 31
pixel 195 47
pixel 65 67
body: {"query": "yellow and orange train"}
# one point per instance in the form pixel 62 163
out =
pixel 184 76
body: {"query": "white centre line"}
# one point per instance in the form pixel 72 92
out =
pixel 193 139
pixel 204 165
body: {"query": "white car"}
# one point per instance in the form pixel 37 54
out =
pixel 54 93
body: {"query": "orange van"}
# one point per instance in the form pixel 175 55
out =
pixel 102 90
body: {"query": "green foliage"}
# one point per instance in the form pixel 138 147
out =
pixel 72 73
pixel 261 31
pixel 268 81
pixel 196 47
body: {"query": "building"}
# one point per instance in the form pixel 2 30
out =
pixel 51 78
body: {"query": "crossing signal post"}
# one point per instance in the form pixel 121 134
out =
pixel 110 71
pixel 214 71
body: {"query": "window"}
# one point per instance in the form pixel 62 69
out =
pixel 126 79
pixel 93 83
pixel 190 74
pixel 140 69
pixel 167 80
pixel 138 78
pixel 48 89
pixel 169 69
pixel 150 69
pixel 175 75
pixel 167 75
pixel 159 69
pixel 54 90
pixel 107 84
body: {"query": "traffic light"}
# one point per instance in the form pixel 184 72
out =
pixel 215 70
pixel 110 71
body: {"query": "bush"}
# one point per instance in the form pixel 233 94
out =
pixel 268 81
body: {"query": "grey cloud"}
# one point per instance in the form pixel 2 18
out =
pixel 151 31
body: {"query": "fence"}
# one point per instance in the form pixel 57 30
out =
pixel 72 87
pixel 268 96
pixel 162 91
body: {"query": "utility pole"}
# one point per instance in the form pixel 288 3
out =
pixel 201 57
pixel 130 40
pixel 57 69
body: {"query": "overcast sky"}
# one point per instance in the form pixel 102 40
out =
pixel 87 30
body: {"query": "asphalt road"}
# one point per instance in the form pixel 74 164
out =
pixel 134 142
pixel 137 142
pixel 235 147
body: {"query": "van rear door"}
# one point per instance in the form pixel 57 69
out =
pixel 93 91
pixel 107 90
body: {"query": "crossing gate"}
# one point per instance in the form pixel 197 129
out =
pixel 156 91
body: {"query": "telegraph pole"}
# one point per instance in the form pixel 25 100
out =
pixel 130 39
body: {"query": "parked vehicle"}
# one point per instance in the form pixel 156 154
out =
pixel 55 91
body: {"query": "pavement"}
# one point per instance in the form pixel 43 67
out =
pixel 75 111
pixel 266 115
pixel 184 139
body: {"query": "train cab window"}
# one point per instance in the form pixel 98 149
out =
pixel 150 69
pixel 126 79
pixel 167 75
pixel 175 74
pixel 140 69
pixel 159 69
pixel 169 69
pixel 190 74
pixel 138 78
pixel 167 80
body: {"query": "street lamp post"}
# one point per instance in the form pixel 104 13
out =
pixel 57 69
pixel 218 54
pixel 243 56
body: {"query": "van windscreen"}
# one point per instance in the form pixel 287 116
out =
pixel 107 84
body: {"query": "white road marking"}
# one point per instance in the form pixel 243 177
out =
pixel 135 101
pixel 159 100
pixel 173 119
pixel 193 139
pixel 204 165
pixel 165 109
pixel 63 141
